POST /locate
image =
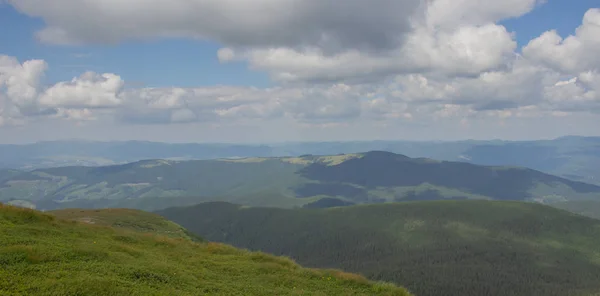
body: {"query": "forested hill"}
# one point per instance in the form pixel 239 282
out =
pixel 43 255
pixel 433 248
pixel 379 169
pixel 363 178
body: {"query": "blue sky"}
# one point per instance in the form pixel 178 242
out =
pixel 188 62
pixel 561 15
pixel 432 84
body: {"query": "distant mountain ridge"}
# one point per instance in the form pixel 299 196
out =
pixel 361 178
pixel 573 157
pixel 388 170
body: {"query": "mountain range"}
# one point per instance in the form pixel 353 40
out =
pixel 436 227
pixel 572 157
pixel 306 181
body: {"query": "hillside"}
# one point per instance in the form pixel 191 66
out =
pixel 589 208
pixel 372 177
pixel 576 158
pixel 392 174
pixel 44 255
pixel 433 248
pixel 129 219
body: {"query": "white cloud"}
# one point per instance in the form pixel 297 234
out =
pixel 269 109
pixel 581 93
pixel 88 90
pixel 521 84
pixel 445 14
pixel 226 54
pixel 21 80
pixel 466 51
pixel 183 115
pixel 436 63
pixel 449 38
pixel 319 103
pixel 304 40
pixel 291 23
pixel 522 90
pixel 9 114
pixel 382 109
pixel 574 54
pixel 74 114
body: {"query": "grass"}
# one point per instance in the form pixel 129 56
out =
pixel 41 254
pixel 129 219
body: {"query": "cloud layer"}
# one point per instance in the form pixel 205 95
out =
pixel 381 62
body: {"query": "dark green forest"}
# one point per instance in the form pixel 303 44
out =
pixel 432 248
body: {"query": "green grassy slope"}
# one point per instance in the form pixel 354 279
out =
pixel 43 255
pixel 372 177
pixel 135 220
pixel 433 248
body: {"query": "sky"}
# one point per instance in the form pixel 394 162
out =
pixel 259 71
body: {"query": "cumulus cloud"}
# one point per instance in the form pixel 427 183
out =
pixel 9 114
pixel 381 109
pixel 581 93
pixel 321 103
pixel 521 84
pixel 573 54
pixel 417 61
pixel 88 90
pixel 304 40
pixel 290 23
pixel 574 57
pixel 466 51
pixel 520 91
pixel 21 81
pixel 449 14
pixel 74 114
pixel 269 109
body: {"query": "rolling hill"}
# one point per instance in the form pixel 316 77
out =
pixel 432 248
pixel 576 158
pixel 43 255
pixel 372 177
